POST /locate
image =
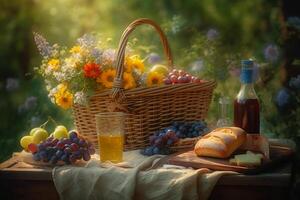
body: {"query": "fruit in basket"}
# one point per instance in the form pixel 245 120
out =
pixel 179 77
pixel 161 69
pixel 60 132
pixel 25 141
pixel 161 141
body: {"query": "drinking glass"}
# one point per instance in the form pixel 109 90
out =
pixel 110 133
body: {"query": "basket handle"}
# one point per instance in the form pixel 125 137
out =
pixel 117 91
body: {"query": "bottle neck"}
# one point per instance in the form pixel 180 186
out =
pixel 247 91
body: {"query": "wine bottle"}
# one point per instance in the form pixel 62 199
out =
pixel 246 104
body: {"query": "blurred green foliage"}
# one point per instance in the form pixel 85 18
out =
pixel 240 29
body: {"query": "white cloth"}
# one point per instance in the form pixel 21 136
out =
pixel 133 179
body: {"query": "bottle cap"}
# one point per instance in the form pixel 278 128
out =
pixel 247 63
pixel 247 71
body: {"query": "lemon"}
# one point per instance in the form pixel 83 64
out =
pixel 161 69
pixel 61 127
pixel 60 132
pixel 25 141
pixel 34 129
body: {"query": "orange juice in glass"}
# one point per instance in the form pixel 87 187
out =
pixel 110 132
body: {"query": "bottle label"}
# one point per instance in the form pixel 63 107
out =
pixel 247 75
pixel 247 71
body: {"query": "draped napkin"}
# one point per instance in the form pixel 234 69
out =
pixel 134 179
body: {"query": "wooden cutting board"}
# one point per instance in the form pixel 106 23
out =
pixel 278 154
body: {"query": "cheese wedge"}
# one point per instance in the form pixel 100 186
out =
pixel 249 159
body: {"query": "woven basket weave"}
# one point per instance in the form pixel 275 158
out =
pixel 149 109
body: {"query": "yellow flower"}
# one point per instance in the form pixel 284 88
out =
pixel 75 49
pixel 107 78
pixel 128 81
pixel 154 78
pixel 53 64
pixel 63 97
pixel 134 62
pixel 127 64
pixel 72 62
pixel 64 100
pixel 62 87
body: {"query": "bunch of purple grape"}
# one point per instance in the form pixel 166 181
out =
pixel 180 76
pixel 161 141
pixel 67 150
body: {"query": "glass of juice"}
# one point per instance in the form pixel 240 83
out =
pixel 110 132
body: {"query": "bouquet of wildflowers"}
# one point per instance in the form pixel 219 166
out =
pixel 71 75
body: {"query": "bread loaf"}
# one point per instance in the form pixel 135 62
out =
pixel 221 142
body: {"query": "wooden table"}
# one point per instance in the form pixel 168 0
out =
pixel 20 181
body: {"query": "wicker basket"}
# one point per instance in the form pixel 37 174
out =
pixel 149 109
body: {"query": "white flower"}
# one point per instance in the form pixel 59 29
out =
pixel 80 98
pixel 48 85
pixel 212 34
pixel 60 76
pixel 198 65
pixel 108 56
pixel 51 94
pixel 48 70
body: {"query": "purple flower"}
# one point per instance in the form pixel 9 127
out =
pixel 283 97
pixel 212 34
pixel 198 65
pixel 108 56
pixel 87 41
pixel 12 84
pixel 30 103
pixel 35 121
pixel 43 46
pixel 295 82
pixel 153 58
pixel 96 54
pixel 271 53
pixel 235 71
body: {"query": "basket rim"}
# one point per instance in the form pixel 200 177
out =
pixel 158 90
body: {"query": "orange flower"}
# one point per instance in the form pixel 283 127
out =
pixel 107 78
pixel 91 70
pixel 128 81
